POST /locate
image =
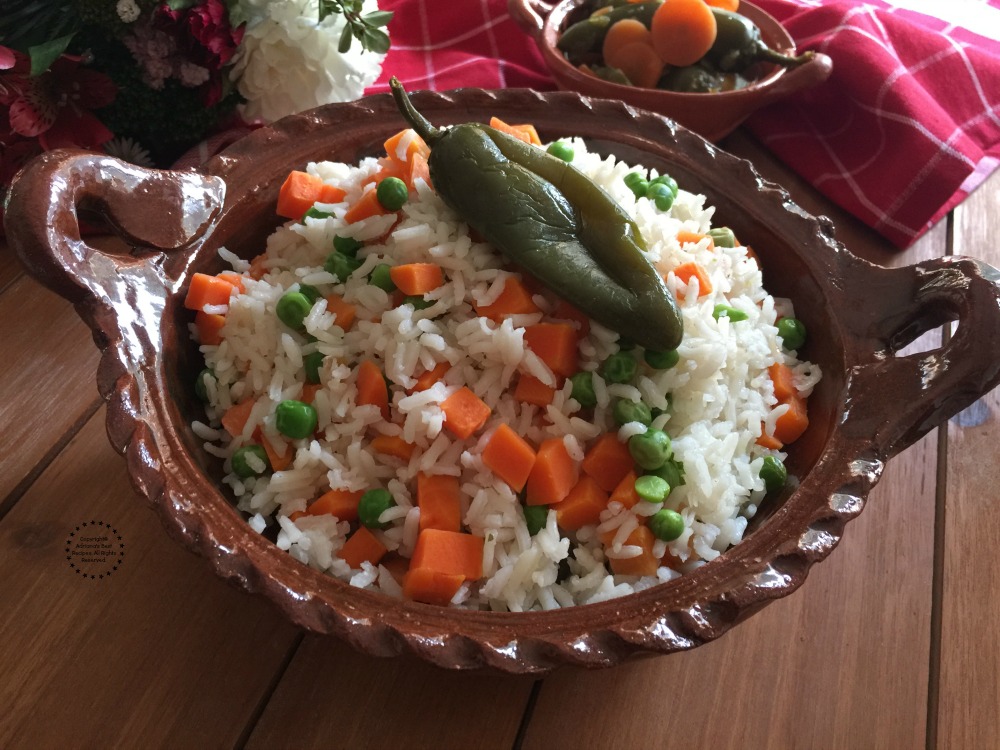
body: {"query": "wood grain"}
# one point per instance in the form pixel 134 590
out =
pixel 10 267
pixel 48 370
pixel 969 692
pixel 332 696
pixel 160 653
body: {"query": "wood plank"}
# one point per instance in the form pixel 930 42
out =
pixel 10 266
pixel 159 653
pixel 841 663
pixel 48 378
pixel 332 696
pixel 969 690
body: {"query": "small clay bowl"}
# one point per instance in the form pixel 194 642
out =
pixel 712 116
pixel 869 406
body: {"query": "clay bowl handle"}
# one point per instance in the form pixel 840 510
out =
pixel 154 211
pixel 530 15
pixel 800 78
pixel 893 401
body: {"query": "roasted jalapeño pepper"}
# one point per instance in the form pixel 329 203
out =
pixel 550 219
pixel 738 45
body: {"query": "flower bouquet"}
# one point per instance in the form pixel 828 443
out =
pixel 145 80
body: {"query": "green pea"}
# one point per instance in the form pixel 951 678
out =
pixel 650 449
pixel 637 184
pixel 561 150
pixel 774 474
pixel 666 524
pixel 200 389
pixel 381 278
pixel 792 332
pixel 312 363
pixel 625 411
pixel 347 245
pixel 392 193
pixel 583 389
pixel 242 468
pixel 292 309
pixel 722 237
pixel 661 360
pixel 672 472
pixel 661 195
pixel 652 488
pixel 536 517
pixel 311 292
pixel 620 367
pixel 670 182
pixel 295 419
pixel 372 505
pixel 418 302
pixel 315 213
pixel 340 265
pixel 725 311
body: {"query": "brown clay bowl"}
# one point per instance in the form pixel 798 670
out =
pixel 869 406
pixel 712 116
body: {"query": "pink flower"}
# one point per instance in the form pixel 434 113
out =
pixel 54 106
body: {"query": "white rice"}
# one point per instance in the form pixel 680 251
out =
pixel 720 396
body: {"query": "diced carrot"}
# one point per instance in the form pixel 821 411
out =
pixel 430 377
pixel 207 290
pixel 345 311
pixel 280 455
pixel 608 461
pixel 440 502
pixel 295 515
pixel 209 327
pixel 789 426
pixel 366 207
pixel 685 271
pixel 233 278
pixel 565 311
pixel 414 145
pixel 753 256
pixel 331 194
pixel 340 503
pixel 392 445
pixel 766 441
pixel 582 506
pixel 510 457
pixel 686 236
pixel 513 300
pixel 531 390
pixel 553 475
pixel 298 194
pixel 387 168
pixel 625 492
pixel 258 267
pixel 783 380
pixel 431 586
pixel 526 133
pixel 419 170
pixel 236 416
pixel 362 546
pixel 449 552
pixel 309 391
pixel 555 344
pixel 464 412
pixel 645 563
pixel 417 278
pixel 372 389
pixel 397 565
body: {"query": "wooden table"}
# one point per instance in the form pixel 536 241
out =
pixel 889 644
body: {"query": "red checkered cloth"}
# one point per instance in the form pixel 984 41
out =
pixel 909 122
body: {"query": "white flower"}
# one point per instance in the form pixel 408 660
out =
pixel 288 61
pixel 127 10
pixel 128 150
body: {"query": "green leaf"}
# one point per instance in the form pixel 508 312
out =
pixel 375 41
pixel 378 18
pixel 180 4
pixel 43 55
pixel 328 7
pixel 345 39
